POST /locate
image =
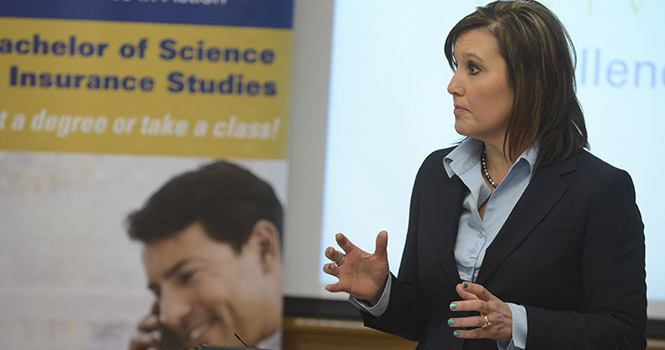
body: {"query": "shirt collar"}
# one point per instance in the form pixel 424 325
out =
pixel 467 154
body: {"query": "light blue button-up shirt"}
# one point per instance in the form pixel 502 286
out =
pixel 474 234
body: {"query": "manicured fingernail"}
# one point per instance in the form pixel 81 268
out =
pixel 465 285
pixel 453 306
pixel 456 333
pixel 451 322
pixel 330 267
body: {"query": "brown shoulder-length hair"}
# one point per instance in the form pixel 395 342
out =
pixel 540 58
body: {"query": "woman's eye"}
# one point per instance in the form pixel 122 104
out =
pixel 473 70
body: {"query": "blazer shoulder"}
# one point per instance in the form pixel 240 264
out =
pixel 597 168
pixel 432 168
pixel 435 158
pixel 590 162
pixel 586 171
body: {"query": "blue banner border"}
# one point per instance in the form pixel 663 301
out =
pixel 243 13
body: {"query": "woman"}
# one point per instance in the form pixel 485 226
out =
pixel 518 237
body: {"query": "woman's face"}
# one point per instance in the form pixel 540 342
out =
pixel 481 89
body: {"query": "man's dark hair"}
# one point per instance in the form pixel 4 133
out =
pixel 225 198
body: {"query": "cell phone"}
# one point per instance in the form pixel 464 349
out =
pixel 168 340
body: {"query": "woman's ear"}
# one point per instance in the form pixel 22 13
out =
pixel 266 237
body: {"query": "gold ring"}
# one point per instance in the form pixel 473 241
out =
pixel 340 261
pixel 487 321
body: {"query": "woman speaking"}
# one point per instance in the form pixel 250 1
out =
pixel 518 237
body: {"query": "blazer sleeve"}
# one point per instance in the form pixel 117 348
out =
pixel 612 264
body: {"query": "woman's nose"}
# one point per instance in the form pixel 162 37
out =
pixel 454 87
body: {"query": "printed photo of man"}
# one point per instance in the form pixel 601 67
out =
pixel 212 256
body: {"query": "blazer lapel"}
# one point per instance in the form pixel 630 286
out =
pixel 542 194
pixel 451 198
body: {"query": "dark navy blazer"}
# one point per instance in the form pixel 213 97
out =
pixel 571 251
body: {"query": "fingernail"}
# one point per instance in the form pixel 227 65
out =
pixel 329 266
pixel 456 333
pixel 465 285
pixel 451 322
pixel 453 306
pixel 328 250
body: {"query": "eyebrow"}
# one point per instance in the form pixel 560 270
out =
pixel 472 55
pixel 154 287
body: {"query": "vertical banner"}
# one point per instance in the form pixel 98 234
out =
pixel 102 102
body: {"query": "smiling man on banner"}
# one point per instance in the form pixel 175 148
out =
pixel 212 258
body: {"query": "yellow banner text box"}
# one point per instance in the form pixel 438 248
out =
pixel 136 88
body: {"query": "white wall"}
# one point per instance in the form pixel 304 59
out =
pixel 309 109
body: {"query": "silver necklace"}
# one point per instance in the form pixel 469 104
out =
pixel 484 166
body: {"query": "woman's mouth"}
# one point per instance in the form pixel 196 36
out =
pixel 459 110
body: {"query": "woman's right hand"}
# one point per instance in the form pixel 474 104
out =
pixel 361 274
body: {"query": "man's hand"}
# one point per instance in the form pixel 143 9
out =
pixel 146 335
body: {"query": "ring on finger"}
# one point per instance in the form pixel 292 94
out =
pixel 487 321
pixel 340 260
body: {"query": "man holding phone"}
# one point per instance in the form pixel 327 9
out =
pixel 212 256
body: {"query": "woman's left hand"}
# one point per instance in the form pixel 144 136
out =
pixel 476 298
